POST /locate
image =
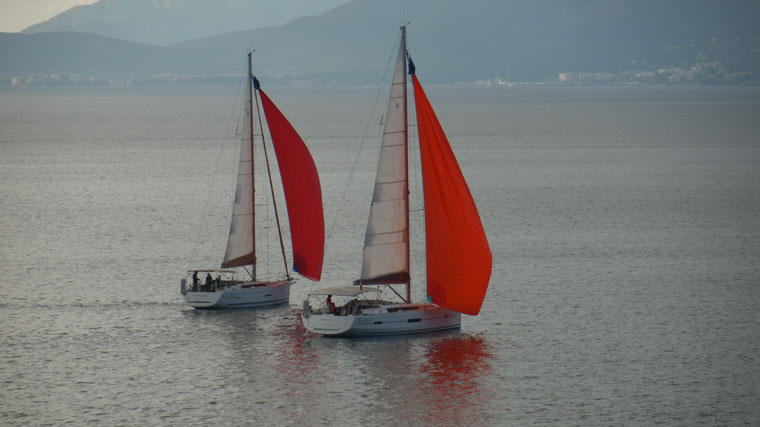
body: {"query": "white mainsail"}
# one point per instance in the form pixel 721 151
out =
pixel 386 258
pixel 240 242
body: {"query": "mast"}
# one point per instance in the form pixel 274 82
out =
pixel 301 188
pixel 406 169
pixel 253 184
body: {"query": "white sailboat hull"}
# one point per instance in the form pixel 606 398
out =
pixel 245 295
pixel 386 319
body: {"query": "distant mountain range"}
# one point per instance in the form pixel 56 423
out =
pixel 570 42
pixel 165 22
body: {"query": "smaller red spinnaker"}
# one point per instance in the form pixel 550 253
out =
pixel 303 193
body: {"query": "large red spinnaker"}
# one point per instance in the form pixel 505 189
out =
pixel 458 256
pixel 303 193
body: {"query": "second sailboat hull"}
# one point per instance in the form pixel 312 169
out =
pixel 384 319
pixel 248 295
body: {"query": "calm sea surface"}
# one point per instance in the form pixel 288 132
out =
pixel 624 226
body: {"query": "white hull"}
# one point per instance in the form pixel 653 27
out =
pixel 383 319
pixel 244 295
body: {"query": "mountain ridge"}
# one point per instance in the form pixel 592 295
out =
pixel 162 23
pixel 573 42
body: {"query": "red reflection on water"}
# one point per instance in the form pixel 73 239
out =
pixel 295 357
pixel 452 384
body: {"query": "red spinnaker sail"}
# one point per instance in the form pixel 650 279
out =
pixel 303 193
pixel 458 256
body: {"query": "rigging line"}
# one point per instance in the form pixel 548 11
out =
pixel 420 232
pixel 271 188
pixel 397 294
pixel 202 219
pixel 361 144
pixel 418 238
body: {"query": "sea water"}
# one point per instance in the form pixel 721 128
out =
pixel 624 225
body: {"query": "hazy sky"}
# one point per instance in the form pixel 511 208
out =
pixel 15 15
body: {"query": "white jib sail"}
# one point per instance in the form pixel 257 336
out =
pixel 385 242
pixel 240 242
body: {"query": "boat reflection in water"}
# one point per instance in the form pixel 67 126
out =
pixel 452 388
pixel 269 369
pixel 435 379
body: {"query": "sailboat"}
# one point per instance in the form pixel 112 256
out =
pixel 221 288
pixel 458 258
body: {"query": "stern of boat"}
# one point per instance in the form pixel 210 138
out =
pixel 202 299
pixel 322 323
